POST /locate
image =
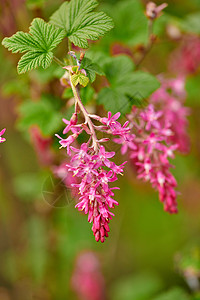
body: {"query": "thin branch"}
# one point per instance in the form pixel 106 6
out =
pixel 149 44
pixel 86 115
pixel 58 61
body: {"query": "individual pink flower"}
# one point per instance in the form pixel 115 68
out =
pixel 65 143
pixel 1 133
pixel 71 124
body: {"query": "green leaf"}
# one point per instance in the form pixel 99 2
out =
pixel 80 23
pixel 131 25
pixel 41 113
pixel 79 79
pixel 127 88
pixel 38 45
pixel 91 69
pixel 114 101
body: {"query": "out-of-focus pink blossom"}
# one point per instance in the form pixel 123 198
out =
pixel 118 48
pixel 42 146
pixel 186 58
pixel 67 178
pixel 87 280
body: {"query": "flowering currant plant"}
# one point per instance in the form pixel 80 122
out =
pixel 145 115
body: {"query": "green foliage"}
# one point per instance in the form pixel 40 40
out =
pixel 126 87
pixel 34 4
pixel 80 23
pixel 42 113
pixel 193 90
pixel 191 23
pixel 130 22
pixel 141 287
pixel 14 87
pixel 44 76
pixel 68 93
pixel 196 296
pixel 91 68
pixel 79 77
pixel 38 45
pixel 87 94
pixel 37 247
pixel 28 186
pixel 173 294
pixel 189 260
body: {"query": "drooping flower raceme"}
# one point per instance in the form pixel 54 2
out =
pixel 90 164
pixel 1 133
pixel 159 130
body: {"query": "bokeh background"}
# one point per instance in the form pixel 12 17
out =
pixel 149 253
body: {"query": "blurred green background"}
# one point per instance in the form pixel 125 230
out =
pixel 39 241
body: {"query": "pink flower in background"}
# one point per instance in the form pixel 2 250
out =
pixel 186 58
pixel 170 97
pixel 159 130
pixel 87 280
pixel 42 146
pixel 1 133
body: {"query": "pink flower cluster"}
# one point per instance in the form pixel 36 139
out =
pixel 1 133
pixel 91 165
pixel 87 280
pixel 159 130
